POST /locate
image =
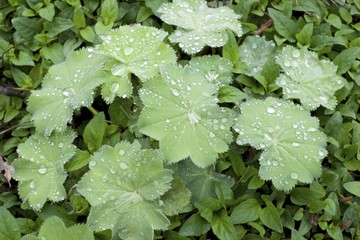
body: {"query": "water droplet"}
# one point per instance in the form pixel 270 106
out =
pixel 175 92
pixel 296 53
pixel 211 134
pixel 42 169
pixel 254 45
pixel 287 63
pixel 32 184
pixel 294 175
pixel 275 163
pixel 68 92
pixel 295 144
pixel 121 152
pixel 114 87
pixel 321 153
pixel 123 165
pixel 270 110
pixel 61 145
pixel 92 163
pixel 128 50
pixel 193 117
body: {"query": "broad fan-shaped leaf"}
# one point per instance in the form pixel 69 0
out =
pixel 54 228
pixel 293 146
pixel 67 86
pixel 255 52
pixel 124 186
pixel 181 111
pixel 199 25
pixel 307 78
pixel 216 69
pixel 40 167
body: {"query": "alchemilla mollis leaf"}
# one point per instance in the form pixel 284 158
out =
pixel 181 111
pixel 40 167
pixel 307 78
pixel 66 87
pixel 124 187
pixel 199 25
pixel 292 144
pixel 216 69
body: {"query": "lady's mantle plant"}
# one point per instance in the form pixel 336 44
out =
pixel 129 186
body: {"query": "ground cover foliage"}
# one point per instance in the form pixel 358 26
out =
pixel 181 119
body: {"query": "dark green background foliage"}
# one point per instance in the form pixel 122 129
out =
pixel 229 200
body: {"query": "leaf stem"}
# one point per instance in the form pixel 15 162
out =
pixel 92 110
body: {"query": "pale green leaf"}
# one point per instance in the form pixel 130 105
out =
pixel 194 226
pixel 54 228
pixel 215 69
pixel 198 25
pixel 201 182
pixel 353 187
pixel 67 86
pixel 40 165
pixel 180 111
pixel 116 86
pixel 124 187
pixel 293 146
pixel 94 132
pixel 255 52
pixel 247 211
pixel 307 78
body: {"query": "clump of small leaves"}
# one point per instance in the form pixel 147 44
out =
pixel 181 111
pixel 307 78
pixel 199 25
pixel 40 167
pixel 124 187
pixel 292 144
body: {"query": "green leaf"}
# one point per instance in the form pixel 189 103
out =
pixel 26 27
pixel 67 86
pixel 180 111
pixel 303 196
pixel 201 182
pixel 230 49
pixel 222 226
pixel 307 78
pixel 124 187
pixel 41 164
pixel 57 26
pixel 47 12
pixel 9 228
pixel 79 18
pixel 109 11
pixel 79 160
pixel 94 132
pixel 176 198
pixel 194 226
pixel 293 146
pixel 215 69
pixel 231 94
pixel 198 25
pixel 54 228
pixel 284 25
pixel 270 217
pixel 346 58
pixel 247 211
pixel 353 187
pixel 143 14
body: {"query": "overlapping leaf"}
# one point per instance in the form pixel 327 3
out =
pixel 181 111
pixel 55 229
pixel 134 49
pixel 289 137
pixel 40 167
pixel 199 25
pixel 124 187
pixel 216 69
pixel 67 86
pixel 307 78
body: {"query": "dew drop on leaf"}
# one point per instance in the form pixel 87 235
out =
pixel 121 152
pixel 61 145
pixel 114 87
pixel 294 175
pixel 92 163
pixel 296 53
pixel 123 165
pixel 68 92
pixel 295 144
pixel 270 110
pixel 32 184
pixel 175 92
pixel 128 50
pixel 287 63
pixel 42 169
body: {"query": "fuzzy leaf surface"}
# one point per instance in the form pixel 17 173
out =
pixel 66 87
pixel 124 186
pixel 289 137
pixel 181 111
pixel 198 25
pixel 307 78
pixel 40 165
pixel 214 68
